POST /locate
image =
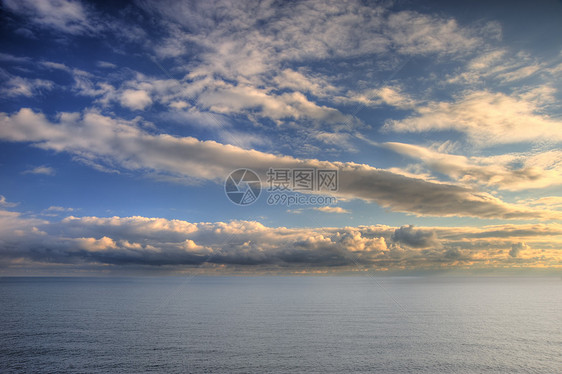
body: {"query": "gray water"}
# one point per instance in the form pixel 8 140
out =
pixel 281 325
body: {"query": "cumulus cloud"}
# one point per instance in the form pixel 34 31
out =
pixel 517 248
pixel 177 244
pixel 135 99
pixel 99 138
pixel 415 238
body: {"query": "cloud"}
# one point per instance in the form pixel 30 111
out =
pixel 55 208
pixel 106 65
pixel 415 33
pixel 301 81
pixel 388 95
pixel 56 66
pixel 247 53
pixel 67 16
pixel 43 170
pixel 18 86
pixel 135 99
pixel 513 171
pixel 411 237
pixel 231 99
pixel 5 203
pixel 517 248
pixel 332 209
pixel 122 143
pixel 177 244
pixel 14 59
pixel 486 118
pixel 486 60
pixel 295 211
pixel 547 202
pixel 309 29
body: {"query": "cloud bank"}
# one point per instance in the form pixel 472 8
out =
pixel 176 244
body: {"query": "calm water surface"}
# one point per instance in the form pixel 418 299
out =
pixel 281 325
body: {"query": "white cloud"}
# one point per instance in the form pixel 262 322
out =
pixel 55 208
pixel 55 65
pixel 135 99
pixel 302 82
pixel 43 170
pixel 250 44
pixel 18 86
pixel 332 209
pixel 106 65
pixel 68 16
pixel 415 33
pixel 388 95
pixel 486 118
pixel 234 99
pixel 503 67
pixel 486 60
pixel 514 171
pixel 520 73
pixel 5 203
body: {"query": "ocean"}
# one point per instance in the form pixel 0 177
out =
pixel 276 324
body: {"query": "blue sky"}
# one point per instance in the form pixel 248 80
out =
pixel 119 123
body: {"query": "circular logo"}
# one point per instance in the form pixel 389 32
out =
pixel 242 187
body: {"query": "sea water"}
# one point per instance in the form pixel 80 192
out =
pixel 278 324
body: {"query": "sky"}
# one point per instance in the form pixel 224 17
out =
pixel 160 137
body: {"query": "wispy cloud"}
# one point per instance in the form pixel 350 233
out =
pixel 5 203
pixel 43 170
pixel 72 17
pixel 55 208
pixel 18 86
